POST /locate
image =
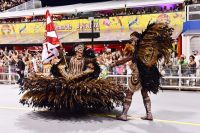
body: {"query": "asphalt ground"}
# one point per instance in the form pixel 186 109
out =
pixel 174 112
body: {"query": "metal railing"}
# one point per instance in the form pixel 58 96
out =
pixel 166 82
pixel 176 77
pixel 8 75
pixel 120 79
pixel 177 82
pixel 10 78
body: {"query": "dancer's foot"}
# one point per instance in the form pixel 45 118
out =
pixel 148 117
pixel 122 117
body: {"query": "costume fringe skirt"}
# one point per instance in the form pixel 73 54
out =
pixel 58 93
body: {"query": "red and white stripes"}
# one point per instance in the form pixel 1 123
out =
pixel 51 42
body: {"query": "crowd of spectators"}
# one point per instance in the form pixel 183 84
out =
pixel 141 10
pixel 10 58
pixel 182 67
pixel 105 60
pixel 10 61
pixel 7 4
pixel 176 66
pixel 187 67
pixel 33 63
pixel 100 14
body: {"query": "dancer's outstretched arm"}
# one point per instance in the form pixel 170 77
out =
pixel 121 62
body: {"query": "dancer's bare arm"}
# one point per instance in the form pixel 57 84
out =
pixel 121 62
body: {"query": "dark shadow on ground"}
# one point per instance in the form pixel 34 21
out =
pixel 61 122
pixel 64 122
pixel 66 116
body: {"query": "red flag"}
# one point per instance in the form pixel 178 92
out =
pixel 51 42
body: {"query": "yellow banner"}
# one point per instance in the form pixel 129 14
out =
pixel 109 28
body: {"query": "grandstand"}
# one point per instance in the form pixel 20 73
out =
pixel 7 4
pixel 25 5
pixel 115 20
pixel 91 7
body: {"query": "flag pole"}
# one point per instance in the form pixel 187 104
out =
pixel 63 53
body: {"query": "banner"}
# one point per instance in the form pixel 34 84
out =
pixel 111 29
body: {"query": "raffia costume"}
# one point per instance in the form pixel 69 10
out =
pixel 154 43
pixel 73 86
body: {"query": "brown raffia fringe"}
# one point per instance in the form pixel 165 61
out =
pixel 58 93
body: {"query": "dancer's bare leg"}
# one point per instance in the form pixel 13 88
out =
pixel 147 105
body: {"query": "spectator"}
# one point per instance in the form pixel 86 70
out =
pixel 196 55
pixel 191 66
pixel 20 67
pixel 114 58
pixel 183 62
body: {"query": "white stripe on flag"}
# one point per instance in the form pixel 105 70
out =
pixel 54 52
pixel 47 55
pixel 48 20
pixel 52 34
pixel 51 46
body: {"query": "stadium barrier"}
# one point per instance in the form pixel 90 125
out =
pixel 180 77
pixel 166 82
pixel 8 75
pixel 173 78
